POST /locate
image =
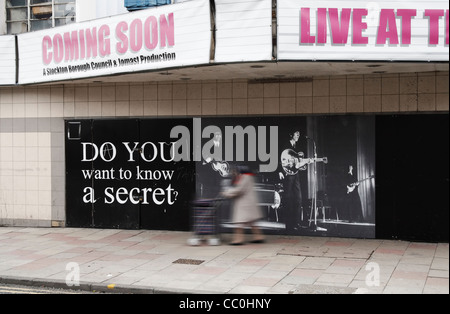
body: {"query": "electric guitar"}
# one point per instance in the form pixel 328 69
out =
pixel 292 162
pixel 352 186
pixel 221 167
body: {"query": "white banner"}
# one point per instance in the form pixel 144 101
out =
pixel 7 60
pixel 243 30
pixel 163 37
pixel 394 30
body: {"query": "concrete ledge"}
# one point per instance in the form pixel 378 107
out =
pixel 92 287
pixel 58 224
pixel 48 283
pixel 25 223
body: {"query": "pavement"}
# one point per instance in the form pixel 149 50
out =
pixel 151 262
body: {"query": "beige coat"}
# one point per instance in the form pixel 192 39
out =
pixel 245 207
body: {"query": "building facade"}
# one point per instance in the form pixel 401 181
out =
pixel 85 107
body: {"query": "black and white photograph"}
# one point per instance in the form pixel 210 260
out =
pixel 324 179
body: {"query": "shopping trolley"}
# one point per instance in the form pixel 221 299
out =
pixel 205 222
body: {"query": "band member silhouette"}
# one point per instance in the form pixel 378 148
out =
pixel 352 199
pixel 212 155
pixel 291 178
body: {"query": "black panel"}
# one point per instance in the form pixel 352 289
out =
pixel 412 177
pixel 169 185
pixel 114 207
pixel 78 212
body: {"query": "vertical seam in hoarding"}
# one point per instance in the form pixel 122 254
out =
pixel 212 14
pixel 16 43
pixel 275 31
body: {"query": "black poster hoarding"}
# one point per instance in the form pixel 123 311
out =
pixel 123 174
pixel 413 177
pixel 315 175
pixel 167 169
pixel 79 212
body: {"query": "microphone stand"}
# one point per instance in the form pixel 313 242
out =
pixel 314 189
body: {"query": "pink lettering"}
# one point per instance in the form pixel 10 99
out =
pixel 339 24
pixel 82 44
pixel 407 15
pixel 305 27
pixel 71 45
pixel 122 45
pixel 91 42
pixel 104 41
pixel 147 32
pixel 46 45
pixel 167 30
pixel 76 45
pixel 395 26
pixel 339 30
pixel 58 48
pixel 136 35
pixel 359 26
pixel 96 41
pixel 322 26
pixel 151 32
pixel 446 28
pixel 387 28
pixel 434 16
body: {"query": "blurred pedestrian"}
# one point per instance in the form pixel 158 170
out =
pixel 245 209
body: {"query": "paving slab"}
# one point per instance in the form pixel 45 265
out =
pixel 141 261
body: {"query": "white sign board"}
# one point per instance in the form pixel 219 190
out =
pixel 7 60
pixel 394 30
pixel 243 30
pixel 163 37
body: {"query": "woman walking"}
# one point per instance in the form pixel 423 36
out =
pixel 245 210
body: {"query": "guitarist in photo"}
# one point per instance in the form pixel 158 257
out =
pixel 294 163
pixel 291 179
pixel 352 200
